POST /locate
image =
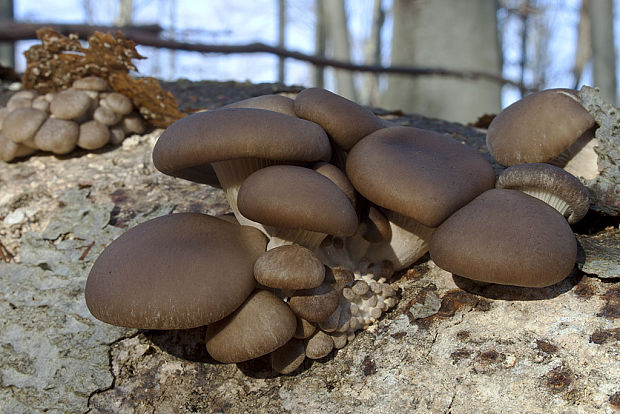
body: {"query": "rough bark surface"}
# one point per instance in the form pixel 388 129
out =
pixel 449 345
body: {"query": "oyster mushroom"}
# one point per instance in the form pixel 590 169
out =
pixel 174 272
pixel 21 125
pixel 57 135
pixel 345 121
pixel 316 304
pixel 289 267
pixel 233 143
pixel 418 178
pixel 276 103
pixel 542 127
pixel 71 104
pixel 9 150
pixel 551 184
pixel 506 237
pixel 288 357
pixel 93 135
pixel 262 324
pixel 296 205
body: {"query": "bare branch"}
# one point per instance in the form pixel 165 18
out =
pixel 21 31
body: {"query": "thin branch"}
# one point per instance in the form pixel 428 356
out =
pixel 20 31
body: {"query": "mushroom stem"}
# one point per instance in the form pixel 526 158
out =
pixel 231 175
pixel 580 159
pixel 281 236
pixel 408 243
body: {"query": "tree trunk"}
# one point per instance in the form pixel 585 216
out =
pixel 281 37
pixel 320 30
pixel 7 49
pixel 338 39
pixel 369 95
pixel 452 35
pixel 125 13
pixel 603 49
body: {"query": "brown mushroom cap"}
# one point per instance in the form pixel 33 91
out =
pixel 22 124
pixel 506 237
pixel 41 104
pixel 57 135
pixel 188 147
pixel 93 135
pixel 106 116
pixel 419 174
pixel 276 103
pixel 316 304
pixel 174 272
pixel 538 127
pixel 262 324
pixel 298 198
pixel 289 267
pixel 338 177
pixel 10 150
pixel 345 121
pixel 551 184
pixel 70 104
pixel 288 357
pixel 133 123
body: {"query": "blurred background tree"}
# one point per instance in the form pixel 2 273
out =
pixel 537 43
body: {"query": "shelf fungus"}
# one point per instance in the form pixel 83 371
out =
pixel 329 202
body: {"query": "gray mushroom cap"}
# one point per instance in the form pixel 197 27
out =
pixel 118 103
pixel 93 135
pixel 345 121
pixel 506 237
pixel 174 272
pixel 187 148
pixel 551 184
pixel 22 124
pixel 276 103
pixel 297 198
pixel 316 304
pixel 417 173
pixel 262 324
pixel 57 135
pixel 70 104
pixel 538 127
pixel 91 83
pixel 289 267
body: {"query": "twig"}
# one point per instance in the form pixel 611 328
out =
pixel 86 250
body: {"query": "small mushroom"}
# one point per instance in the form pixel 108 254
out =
pixel 93 135
pixel 70 104
pixel 551 184
pixel 174 272
pixel 539 128
pixel 338 177
pixel 9 150
pixel 506 237
pixel 304 329
pixel 319 345
pixel 296 204
pixel 57 135
pixel 118 103
pixel 289 267
pixel 345 121
pixel 106 116
pixel 19 101
pixel 41 104
pixel 315 305
pixel 288 357
pixel 133 124
pixel 262 324
pixel 117 135
pixel 276 103
pixel 22 124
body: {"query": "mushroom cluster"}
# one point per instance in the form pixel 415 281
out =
pixel 87 115
pixel 329 202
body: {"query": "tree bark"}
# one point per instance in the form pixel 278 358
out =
pixel 456 35
pixel 318 72
pixel 125 13
pixel 369 95
pixel 281 37
pixel 603 49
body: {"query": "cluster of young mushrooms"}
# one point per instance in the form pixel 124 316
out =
pixel 329 201
pixel 87 115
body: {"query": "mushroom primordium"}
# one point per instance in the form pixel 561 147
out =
pixel 82 116
pixel 549 126
pixel 329 201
